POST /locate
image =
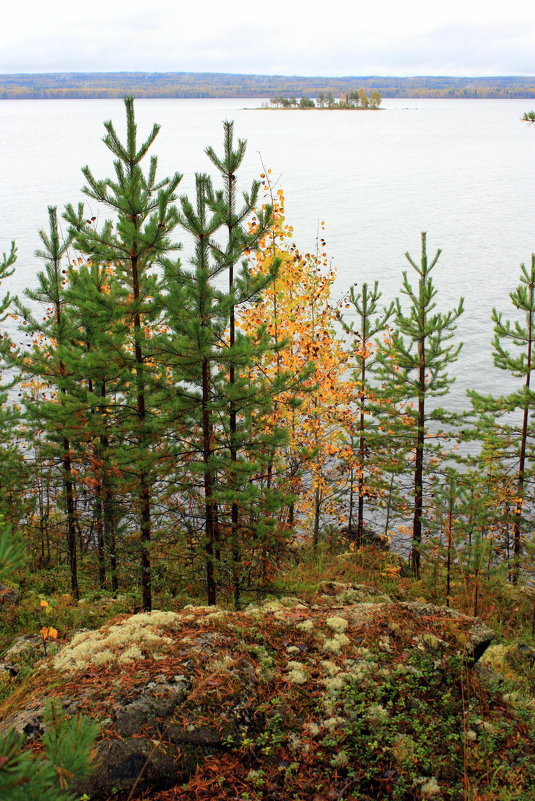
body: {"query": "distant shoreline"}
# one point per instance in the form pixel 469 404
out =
pixel 317 108
pixel 206 85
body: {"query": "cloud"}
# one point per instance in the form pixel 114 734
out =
pixel 388 38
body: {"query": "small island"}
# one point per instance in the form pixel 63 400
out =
pixel 356 99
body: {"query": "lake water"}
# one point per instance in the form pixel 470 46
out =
pixel 462 170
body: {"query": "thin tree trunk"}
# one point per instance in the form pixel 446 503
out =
pixel 110 523
pixel 362 456
pixel 71 518
pixel 517 528
pixel 450 547
pixel 101 545
pixel 317 510
pixel 144 488
pixel 211 588
pixel 419 460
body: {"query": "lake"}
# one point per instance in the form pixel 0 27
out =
pixel 462 170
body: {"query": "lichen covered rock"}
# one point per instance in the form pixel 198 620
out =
pixel 210 704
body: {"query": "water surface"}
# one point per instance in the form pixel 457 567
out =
pixel 462 170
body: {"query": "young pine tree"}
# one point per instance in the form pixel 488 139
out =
pixel 52 336
pixel 67 743
pixel 214 399
pixel 371 322
pixel 15 478
pixel 134 244
pixel 520 362
pixel 421 350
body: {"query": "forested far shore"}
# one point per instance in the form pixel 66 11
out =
pixel 213 85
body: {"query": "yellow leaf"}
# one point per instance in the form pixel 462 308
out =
pixel 52 633
pixel 43 603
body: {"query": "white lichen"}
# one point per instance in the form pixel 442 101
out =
pixel 294 742
pixel 430 787
pixel 331 668
pixel 220 663
pixel 334 683
pixel 338 624
pixel 333 723
pixel 376 712
pixel 313 729
pixel 340 760
pixel 332 646
pixel 119 643
pixel 132 654
pixel 297 673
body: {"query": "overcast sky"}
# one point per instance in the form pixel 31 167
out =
pixel 385 37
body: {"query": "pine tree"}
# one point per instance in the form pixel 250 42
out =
pixel 134 245
pixel 94 299
pixel 420 350
pixel 46 363
pixel 210 359
pixel 14 503
pixel 520 363
pixel 236 211
pixel 370 323
pixel 47 776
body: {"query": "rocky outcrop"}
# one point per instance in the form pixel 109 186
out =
pixel 8 595
pixel 176 691
pixel 476 637
pixel 25 651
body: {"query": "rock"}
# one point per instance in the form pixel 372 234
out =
pixel 348 593
pixel 153 701
pixel 138 761
pixel 174 691
pixel 28 721
pixel 478 635
pixel 369 537
pixel 8 595
pixel 25 650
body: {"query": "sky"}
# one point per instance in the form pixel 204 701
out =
pixel 386 37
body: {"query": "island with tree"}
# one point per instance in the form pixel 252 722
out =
pixel 356 99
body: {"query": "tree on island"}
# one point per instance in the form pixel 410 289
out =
pixel 356 99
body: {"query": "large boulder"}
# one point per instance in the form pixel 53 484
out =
pixel 218 705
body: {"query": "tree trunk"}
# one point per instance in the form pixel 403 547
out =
pixel 71 518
